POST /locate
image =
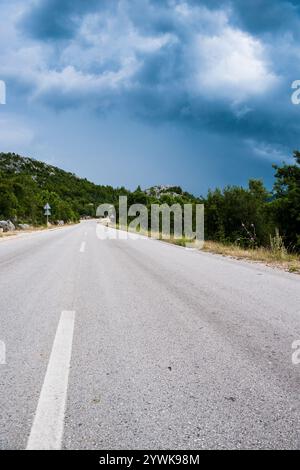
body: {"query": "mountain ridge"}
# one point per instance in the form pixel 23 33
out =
pixel 29 183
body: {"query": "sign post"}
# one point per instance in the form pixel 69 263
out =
pixel 47 210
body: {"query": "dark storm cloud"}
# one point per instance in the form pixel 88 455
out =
pixel 168 61
pixel 57 19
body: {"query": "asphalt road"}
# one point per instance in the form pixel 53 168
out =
pixel 138 344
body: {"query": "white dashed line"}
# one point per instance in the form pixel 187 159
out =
pixel 82 247
pixel 48 425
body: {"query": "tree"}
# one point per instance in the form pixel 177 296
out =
pixel 8 201
pixel 238 215
pixel 286 203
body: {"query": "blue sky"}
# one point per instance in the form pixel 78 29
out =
pixel 128 92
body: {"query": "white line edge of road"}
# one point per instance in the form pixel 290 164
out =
pixel 82 247
pixel 48 424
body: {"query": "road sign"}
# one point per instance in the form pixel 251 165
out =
pixel 47 210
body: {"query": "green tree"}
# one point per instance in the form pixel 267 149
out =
pixel 286 203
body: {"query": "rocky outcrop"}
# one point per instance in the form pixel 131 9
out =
pixel 7 226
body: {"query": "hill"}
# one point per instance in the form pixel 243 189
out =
pixel 27 184
pixel 247 217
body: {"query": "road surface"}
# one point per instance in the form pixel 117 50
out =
pixel 138 344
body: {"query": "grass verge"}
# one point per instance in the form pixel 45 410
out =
pixel 281 259
pixel 271 257
pixel 38 228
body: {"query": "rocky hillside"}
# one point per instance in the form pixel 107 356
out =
pixel 27 184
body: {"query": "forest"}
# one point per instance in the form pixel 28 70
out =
pixel 247 216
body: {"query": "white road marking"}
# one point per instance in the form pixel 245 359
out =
pixel 82 247
pixel 48 425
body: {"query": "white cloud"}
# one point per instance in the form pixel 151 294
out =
pixel 102 41
pixel 108 51
pixel 74 82
pixel 200 17
pixel 231 64
pixel 103 57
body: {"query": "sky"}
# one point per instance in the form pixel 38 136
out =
pixel 195 93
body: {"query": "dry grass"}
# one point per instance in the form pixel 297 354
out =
pixel 18 232
pixel 6 234
pixel 281 259
pixel 40 228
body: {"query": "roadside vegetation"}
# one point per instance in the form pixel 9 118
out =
pixel 281 259
pixel 251 223
pixel 275 255
pixel 26 185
